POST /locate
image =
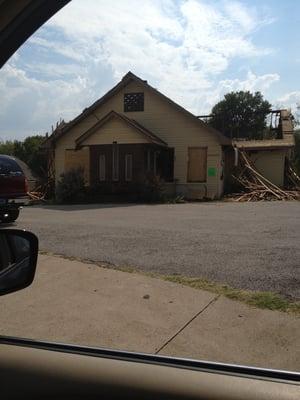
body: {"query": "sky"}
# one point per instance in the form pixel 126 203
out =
pixel 193 51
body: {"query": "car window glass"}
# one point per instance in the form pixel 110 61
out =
pixel 8 166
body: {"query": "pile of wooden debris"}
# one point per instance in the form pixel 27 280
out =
pixel 36 196
pixel 255 187
pixel 39 194
pixel 293 180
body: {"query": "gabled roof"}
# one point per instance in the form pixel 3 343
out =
pixel 124 82
pixel 131 122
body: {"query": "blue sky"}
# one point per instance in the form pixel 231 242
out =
pixel 194 51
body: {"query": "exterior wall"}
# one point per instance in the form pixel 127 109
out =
pixel 174 127
pixel 67 142
pixel 78 158
pixel 270 164
pixel 115 130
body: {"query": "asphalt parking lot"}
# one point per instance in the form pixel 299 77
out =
pixel 246 245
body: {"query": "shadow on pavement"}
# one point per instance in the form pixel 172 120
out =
pixel 79 207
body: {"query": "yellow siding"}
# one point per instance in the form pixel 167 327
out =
pixel 68 142
pixel 79 158
pixel 177 129
pixel 270 164
pixel 115 130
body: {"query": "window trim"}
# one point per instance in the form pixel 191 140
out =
pixel 148 160
pixel 115 162
pixel 102 167
pixel 128 177
pixel 155 157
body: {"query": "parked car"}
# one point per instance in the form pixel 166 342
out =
pixel 13 188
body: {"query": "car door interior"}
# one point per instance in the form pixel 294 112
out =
pixel 35 370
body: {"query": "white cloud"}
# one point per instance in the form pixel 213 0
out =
pixel 58 47
pixel 290 100
pixel 182 48
pixel 198 38
pixel 204 101
pixel 291 97
pixel 252 83
pixel 249 19
pixel 31 105
pixel 54 71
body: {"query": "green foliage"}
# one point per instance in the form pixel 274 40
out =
pixel 264 300
pixel 70 188
pixel 7 147
pixel 28 151
pixel 152 191
pixel 241 115
pixel 296 157
pixel 175 199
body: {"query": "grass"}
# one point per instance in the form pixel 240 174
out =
pixel 264 300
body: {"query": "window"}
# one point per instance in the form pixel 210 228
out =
pixel 148 160
pixel 197 162
pixel 133 102
pixel 9 167
pixel 152 158
pixel 155 155
pixel 102 170
pixel 115 162
pixel 128 167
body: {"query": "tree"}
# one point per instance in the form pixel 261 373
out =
pixel 241 115
pixel 28 151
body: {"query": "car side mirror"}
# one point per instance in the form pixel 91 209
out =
pixel 18 258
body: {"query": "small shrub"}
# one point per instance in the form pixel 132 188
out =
pixel 70 188
pixel 152 191
pixel 175 199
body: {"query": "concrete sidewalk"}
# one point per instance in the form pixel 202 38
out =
pixel 74 302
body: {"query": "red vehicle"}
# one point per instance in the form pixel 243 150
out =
pixel 13 188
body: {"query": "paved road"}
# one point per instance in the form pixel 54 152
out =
pixel 246 245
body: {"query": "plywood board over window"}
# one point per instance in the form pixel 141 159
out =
pixel 78 159
pixel 197 164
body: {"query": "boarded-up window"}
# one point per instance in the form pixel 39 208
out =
pixel 197 162
pixel 75 159
pixel 133 102
pixel 102 168
pixel 115 162
pixel 128 167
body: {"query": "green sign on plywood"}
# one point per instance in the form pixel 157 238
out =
pixel 212 171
